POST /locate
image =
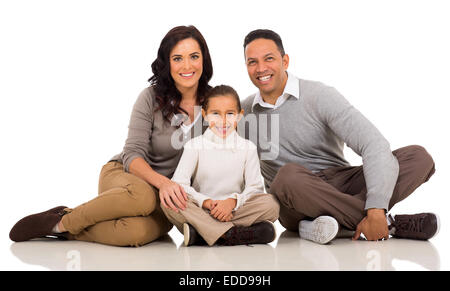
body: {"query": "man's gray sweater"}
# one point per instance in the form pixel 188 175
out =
pixel 312 130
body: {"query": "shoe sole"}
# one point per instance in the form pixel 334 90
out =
pixel 321 230
pixel 186 234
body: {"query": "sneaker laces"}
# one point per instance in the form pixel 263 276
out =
pixel 409 223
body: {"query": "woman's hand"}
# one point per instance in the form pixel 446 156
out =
pixel 222 209
pixel 171 194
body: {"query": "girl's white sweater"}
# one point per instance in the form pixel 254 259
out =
pixel 215 168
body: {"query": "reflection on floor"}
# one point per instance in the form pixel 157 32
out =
pixel 287 253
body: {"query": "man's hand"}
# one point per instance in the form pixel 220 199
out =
pixel 222 209
pixel 373 226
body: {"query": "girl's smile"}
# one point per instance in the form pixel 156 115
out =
pixel 223 131
pixel 223 114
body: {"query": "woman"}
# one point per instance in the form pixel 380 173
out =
pixel 127 211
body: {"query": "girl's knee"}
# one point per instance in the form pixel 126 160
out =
pixel 270 207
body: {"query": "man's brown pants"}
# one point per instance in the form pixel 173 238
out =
pixel 126 211
pixel 340 192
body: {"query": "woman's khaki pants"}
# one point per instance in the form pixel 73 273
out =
pixel 125 213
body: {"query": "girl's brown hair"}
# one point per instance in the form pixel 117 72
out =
pixel 222 90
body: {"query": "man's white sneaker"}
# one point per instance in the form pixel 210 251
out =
pixel 321 230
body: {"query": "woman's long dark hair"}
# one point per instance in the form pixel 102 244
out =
pixel 167 95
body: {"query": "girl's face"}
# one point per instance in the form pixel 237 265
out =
pixel 222 114
pixel 186 64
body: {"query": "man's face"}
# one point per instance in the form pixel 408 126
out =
pixel 266 67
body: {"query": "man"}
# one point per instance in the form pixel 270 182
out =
pixel 305 168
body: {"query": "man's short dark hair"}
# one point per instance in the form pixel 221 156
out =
pixel 266 34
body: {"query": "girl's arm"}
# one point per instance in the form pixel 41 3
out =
pixel 252 178
pixel 185 170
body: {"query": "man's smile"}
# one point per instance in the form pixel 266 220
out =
pixel 265 78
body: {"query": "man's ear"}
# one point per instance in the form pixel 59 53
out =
pixel 285 61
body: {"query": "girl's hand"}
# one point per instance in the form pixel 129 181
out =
pixel 223 209
pixel 171 194
pixel 227 218
pixel 208 204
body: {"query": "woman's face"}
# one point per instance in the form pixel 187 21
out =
pixel 186 64
pixel 222 115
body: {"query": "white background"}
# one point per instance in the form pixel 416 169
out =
pixel 70 72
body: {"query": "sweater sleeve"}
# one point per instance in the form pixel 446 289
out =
pixel 139 129
pixel 252 177
pixel 380 166
pixel 185 170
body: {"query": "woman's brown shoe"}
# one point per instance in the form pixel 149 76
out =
pixel 37 225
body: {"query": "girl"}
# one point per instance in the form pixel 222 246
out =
pixel 226 201
pixel 127 210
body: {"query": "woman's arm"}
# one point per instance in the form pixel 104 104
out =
pixel 140 129
pixel 171 194
pixel 136 150
pixel 140 168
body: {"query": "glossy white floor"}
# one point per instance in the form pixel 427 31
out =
pixel 288 252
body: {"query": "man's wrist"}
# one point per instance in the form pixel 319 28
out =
pixel 376 212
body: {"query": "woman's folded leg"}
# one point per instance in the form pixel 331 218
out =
pixel 127 231
pixel 121 194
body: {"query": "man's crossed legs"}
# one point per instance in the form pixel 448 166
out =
pixel 339 193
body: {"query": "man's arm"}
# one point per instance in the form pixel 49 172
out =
pixel 379 164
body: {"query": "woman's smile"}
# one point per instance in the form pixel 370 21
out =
pixel 187 75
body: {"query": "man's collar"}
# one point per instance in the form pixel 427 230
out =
pixel 291 88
